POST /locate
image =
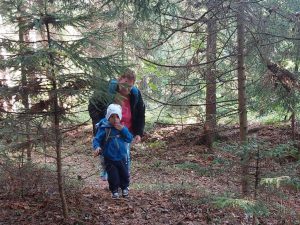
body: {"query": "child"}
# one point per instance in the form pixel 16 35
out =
pixel 110 141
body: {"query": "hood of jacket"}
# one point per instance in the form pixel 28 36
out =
pixel 104 123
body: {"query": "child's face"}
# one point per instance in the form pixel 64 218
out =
pixel 114 119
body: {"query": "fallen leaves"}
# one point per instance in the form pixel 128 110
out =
pixel 172 182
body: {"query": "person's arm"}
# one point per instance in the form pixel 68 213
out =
pixel 97 110
pixel 97 141
pixel 127 136
pixel 140 117
pixel 125 133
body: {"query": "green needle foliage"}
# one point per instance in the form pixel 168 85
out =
pixel 250 207
pixel 57 53
pixel 282 181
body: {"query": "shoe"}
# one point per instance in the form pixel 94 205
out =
pixel 115 195
pixel 103 176
pixel 125 192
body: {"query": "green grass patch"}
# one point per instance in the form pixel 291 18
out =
pixel 250 207
pixel 198 169
pixel 284 151
pixel 158 144
pixel 163 186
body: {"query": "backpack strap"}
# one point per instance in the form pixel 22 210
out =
pixel 107 136
pixel 107 133
pixel 135 92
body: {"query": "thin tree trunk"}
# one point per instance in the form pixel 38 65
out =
pixel 293 122
pixel 210 120
pixel 57 134
pixel 122 30
pixel 2 83
pixel 23 38
pixel 4 101
pixel 297 59
pixel 242 95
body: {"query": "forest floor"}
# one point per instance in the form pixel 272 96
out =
pixel 174 180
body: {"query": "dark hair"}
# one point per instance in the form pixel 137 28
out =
pixel 129 74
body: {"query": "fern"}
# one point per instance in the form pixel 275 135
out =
pixel 283 150
pixel 250 207
pixel 282 181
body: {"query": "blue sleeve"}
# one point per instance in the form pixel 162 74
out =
pixel 98 138
pixel 113 86
pixel 127 136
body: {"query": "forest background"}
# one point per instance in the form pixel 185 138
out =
pixel 216 77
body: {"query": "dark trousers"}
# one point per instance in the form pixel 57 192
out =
pixel 118 175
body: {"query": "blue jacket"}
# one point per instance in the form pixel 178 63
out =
pixel 112 141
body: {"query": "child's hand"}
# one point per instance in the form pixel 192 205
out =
pixel 97 152
pixel 118 126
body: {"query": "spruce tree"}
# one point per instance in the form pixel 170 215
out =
pixel 55 56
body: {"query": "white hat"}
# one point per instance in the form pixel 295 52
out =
pixel 114 109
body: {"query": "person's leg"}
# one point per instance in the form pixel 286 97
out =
pixel 102 170
pixel 124 177
pixel 128 162
pixel 113 175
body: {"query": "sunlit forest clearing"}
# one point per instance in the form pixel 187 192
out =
pixel 220 82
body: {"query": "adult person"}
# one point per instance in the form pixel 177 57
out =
pixel 123 92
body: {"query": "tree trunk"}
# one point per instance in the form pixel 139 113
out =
pixel 2 83
pixel 293 123
pixel 297 59
pixel 242 95
pixel 210 120
pixel 23 39
pixel 56 128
